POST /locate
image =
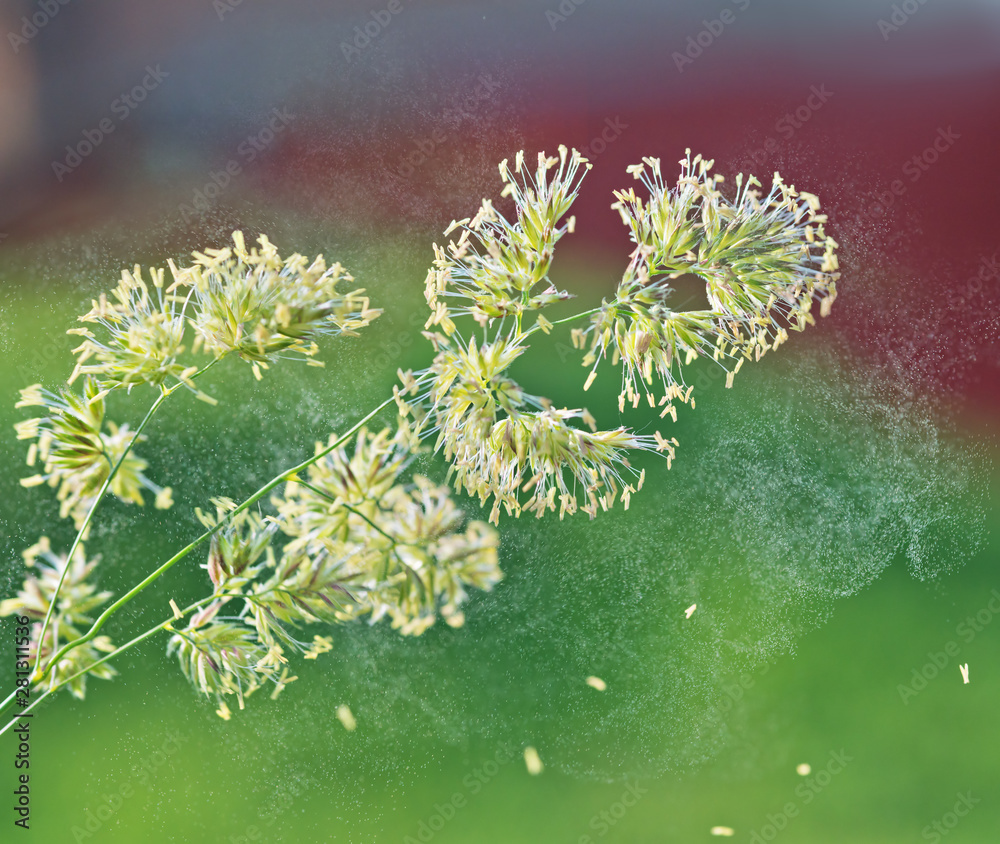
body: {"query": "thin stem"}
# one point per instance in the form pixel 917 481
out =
pixel 315 489
pixel 90 514
pixel 573 318
pixel 7 700
pixel 164 394
pixel 372 524
pixel 346 506
pixel 253 499
pixel 140 638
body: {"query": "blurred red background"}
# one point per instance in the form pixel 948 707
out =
pixel 396 114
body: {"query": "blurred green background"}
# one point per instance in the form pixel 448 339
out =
pixel 833 533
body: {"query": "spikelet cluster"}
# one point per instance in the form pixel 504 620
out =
pixel 502 442
pixel 77 450
pixel 516 448
pixel 400 549
pixel 359 541
pixel 140 335
pixel 222 655
pixel 497 268
pixel 764 259
pixel 263 307
pixel 250 302
pixel 77 599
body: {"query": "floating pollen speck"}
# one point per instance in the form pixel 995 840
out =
pixel 965 672
pixel 804 769
pixel 346 717
pixel 533 761
pixel 597 683
pixel 690 611
pixel 727 831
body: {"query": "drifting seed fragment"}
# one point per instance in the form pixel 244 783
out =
pixel 533 761
pixel 965 672
pixel 346 717
pixel 727 831
pixel 597 683
pixel 804 769
pixel 690 611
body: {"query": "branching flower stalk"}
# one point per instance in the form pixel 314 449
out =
pixel 237 294
pixel 78 455
pixel 352 534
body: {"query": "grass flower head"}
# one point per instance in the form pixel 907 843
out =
pixel 72 613
pixel 78 450
pixel 263 307
pixel 764 260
